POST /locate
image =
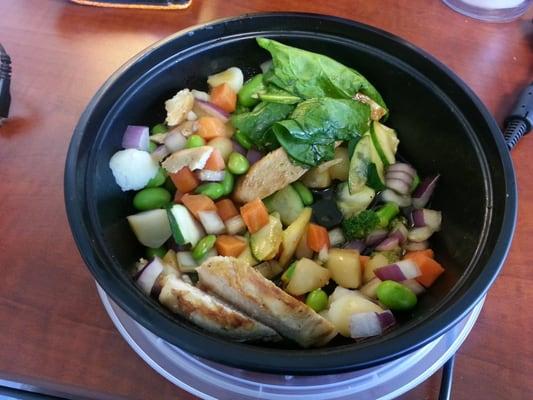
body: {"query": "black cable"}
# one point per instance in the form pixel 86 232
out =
pixel 520 121
pixel 445 392
pixel 5 82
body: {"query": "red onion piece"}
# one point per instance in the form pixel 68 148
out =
pixel 398 186
pixel 402 167
pixel 387 244
pixel 400 271
pixel 136 137
pixel 212 222
pixel 375 237
pixel 413 284
pixel 416 246
pixel 423 192
pixel 253 156
pixel 149 275
pixel 426 217
pixel 175 141
pixel 369 324
pixel 389 195
pixel 160 153
pixel 206 175
pixel 399 232
pixel 235 225
pixel 404 177
pixel 358 245
pixel 212 110
pixel 238 148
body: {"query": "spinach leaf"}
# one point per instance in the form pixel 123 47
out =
pixel 310 75
pixel 309 135
pixel 255 124
pixel 275 95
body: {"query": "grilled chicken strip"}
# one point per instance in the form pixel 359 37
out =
pixel 210 313
pixel 245 288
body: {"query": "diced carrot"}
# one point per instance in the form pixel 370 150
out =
pixel 230 246
pixel 255 215
pixel 317 237
pixel 224 97
pixel 184 180
pixel 363 260
pixel 211 127
pixel 428 253
pixel 226 209
pixel 215 162
pixel 198 202
pixel 429 268
pixel 178 196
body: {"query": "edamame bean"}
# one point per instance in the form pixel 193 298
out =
pixel 203 246
pixel 317 300
pixel 158 179
pixel 249 89
pixel 238 164
pixel 151 198
pixel 158 251
pixel 305 194
pixel 151 147
pixel 194 141
pixel 212 190
pixel 396 296
pixel 228 182
pixel 159 128
pixel 242 140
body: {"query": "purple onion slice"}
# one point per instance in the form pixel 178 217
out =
pixel 136 137
pixel 399 271
pixel 423 192
pixel 369 324
pixel 149 275
pixel 212 110
pixel 387 244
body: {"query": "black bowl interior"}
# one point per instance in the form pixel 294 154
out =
pixel 443 129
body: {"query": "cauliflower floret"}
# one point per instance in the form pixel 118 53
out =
pixel 178 107
pixel 133 168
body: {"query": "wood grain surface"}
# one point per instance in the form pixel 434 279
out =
pixel 54 333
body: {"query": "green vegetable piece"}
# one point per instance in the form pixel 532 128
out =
pixel 203 246
pixel 151 198
pixel 305 194
pixel 159 128
pixel 287 203
pixel 248 94
pixel 255 125
pixel 317 300
pixel 212 190
pixel 158 179
pixel 158 251
pixel 279 96
pixel 396 296
pixel 194 141
pixel 360 225
pixel 151 147
pixel 228 182
pixel 289 272
pixel 169 185
pixel 310 133
pixel 242 140
pixel 416 182
pixel 385 141
pixel 238 164
pixel 310 75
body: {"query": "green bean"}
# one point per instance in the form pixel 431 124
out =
pixel 194 141
pixel 228 182
pixel 242 140
pixel 212 190
pixel 158 179
pixel 396 296
pixel 151 147
pixel 238 164
pixel 158 251
pixel 305 194
pixel 159 128
pixel 203 246
pixel 317 300
pixel 249 89
pixel 151 198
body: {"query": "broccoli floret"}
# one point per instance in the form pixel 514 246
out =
pixel 392 255
pixel 360 225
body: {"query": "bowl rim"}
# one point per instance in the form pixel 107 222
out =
pixel 332 360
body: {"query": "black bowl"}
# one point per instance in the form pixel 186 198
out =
pixel 442 125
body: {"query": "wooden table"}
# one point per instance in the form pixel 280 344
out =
pixel 54 333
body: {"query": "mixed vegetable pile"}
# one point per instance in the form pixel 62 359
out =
pixel 293 173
